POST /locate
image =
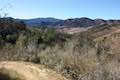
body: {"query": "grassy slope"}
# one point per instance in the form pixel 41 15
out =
pixel 7 74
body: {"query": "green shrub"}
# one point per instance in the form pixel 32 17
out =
pixel 11 38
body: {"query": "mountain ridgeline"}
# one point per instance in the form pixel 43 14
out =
pixel 68 23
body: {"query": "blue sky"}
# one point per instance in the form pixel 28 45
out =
pixel 26 9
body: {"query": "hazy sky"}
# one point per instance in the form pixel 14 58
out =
pixel 107 9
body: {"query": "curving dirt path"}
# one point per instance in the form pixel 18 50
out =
pixel 32 71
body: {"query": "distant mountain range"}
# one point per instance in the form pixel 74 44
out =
pixel 41 21
pixel 76 22
pixel 59 23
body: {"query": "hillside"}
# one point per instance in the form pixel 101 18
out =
pixel 91 54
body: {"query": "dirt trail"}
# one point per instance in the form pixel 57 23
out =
pixel 32 71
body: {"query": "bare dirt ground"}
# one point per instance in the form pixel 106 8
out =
pixel 32 71
pixel 73 30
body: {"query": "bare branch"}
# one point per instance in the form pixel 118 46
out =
pixel 4 10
